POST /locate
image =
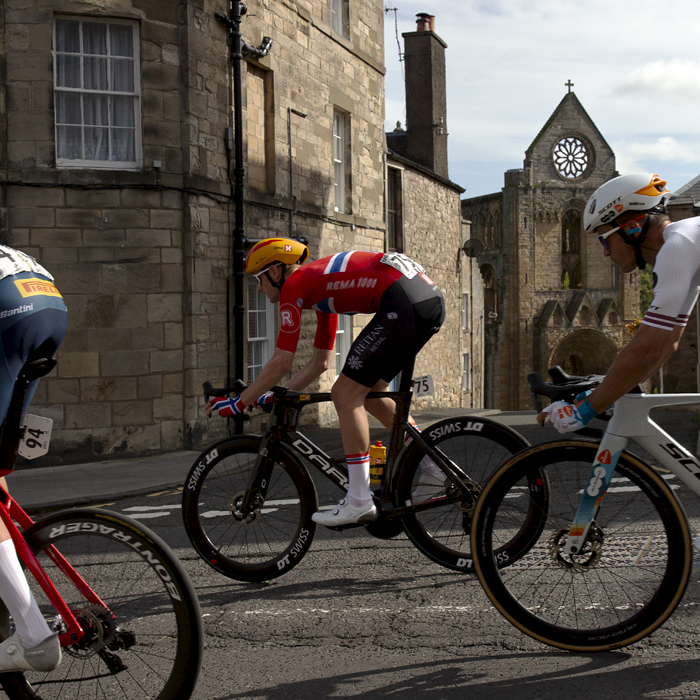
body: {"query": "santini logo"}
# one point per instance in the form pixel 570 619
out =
pixel 22 309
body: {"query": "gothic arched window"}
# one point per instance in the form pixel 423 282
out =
pixel 571 232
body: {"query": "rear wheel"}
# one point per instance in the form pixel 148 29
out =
pixel 143 639
pixel 259 545
pixel 479 446
pixel 625 582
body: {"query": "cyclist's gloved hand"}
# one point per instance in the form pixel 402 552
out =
pixel 567 418
pixel 267 398
pixel 227 407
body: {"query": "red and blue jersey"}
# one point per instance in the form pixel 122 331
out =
pixel 346 283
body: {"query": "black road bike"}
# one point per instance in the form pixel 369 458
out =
pixel 248 499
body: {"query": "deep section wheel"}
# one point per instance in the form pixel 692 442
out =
pixel 143 640
pixel 479 446
pixel 269 538
pixel 626 580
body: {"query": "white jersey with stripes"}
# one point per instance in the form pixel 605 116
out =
pixel 12 262
pixel 676 276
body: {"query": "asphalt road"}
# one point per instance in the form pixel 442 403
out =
pixel 361 617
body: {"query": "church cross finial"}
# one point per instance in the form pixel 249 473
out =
pixel 569 84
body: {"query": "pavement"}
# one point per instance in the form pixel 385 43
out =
pixel 93 483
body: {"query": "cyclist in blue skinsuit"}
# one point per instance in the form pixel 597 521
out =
pixel 32 325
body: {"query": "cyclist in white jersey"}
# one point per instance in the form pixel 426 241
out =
pixel 32 326
pixel 628 215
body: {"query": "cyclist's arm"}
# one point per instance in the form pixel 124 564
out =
pixel 638 360
pixel 320 361
pixel 272 373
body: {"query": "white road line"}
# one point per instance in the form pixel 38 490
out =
pixel 143 509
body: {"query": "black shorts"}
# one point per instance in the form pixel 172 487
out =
pixel 410 313
pixel 32 325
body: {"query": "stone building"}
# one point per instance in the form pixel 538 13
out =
pixel 115 173
pixel 424 221
pixel 549 295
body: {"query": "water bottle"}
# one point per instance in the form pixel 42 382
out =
pixel 377 460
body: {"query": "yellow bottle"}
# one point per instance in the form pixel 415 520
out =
pixel 377 460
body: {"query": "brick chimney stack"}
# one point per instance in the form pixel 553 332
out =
pixel 426 96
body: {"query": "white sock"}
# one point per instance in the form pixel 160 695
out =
pixel 358 477
pixel 14 592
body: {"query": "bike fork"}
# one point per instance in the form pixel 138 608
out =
pixel 256 491
pixel 609 451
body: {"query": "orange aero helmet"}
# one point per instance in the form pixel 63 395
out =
pixel 271 250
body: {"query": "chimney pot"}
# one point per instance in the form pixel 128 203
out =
pixel 425 22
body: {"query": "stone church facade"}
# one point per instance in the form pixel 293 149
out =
pixel 550 296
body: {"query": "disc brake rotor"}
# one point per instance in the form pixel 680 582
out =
pixel 579 563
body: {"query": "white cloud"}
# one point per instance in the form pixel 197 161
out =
pixel 664 148
pixel 677 76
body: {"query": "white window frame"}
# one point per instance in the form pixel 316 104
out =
pixel 266 341
pixel 338 16
pixel 339 165
pixel 465 311
pixel 63 162
pixel 343 341
pixel 466 373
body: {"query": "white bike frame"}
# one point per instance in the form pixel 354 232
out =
pixel 631 421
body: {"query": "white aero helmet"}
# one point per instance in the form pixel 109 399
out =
pixel 638 192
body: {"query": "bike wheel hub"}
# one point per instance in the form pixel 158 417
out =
pixel 238 514
pixel 579 563
pixel 100 629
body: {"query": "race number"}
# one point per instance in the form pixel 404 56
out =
pixel 36 434
pixel 407 267
pixel 423 386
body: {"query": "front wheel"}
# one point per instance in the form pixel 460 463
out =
pixel 627 579
pixel 143 640
pixel 273 536
pixel 478 446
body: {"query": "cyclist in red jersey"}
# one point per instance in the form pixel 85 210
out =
pixel 408 309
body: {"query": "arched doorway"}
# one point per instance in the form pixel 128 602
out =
pixel 584 352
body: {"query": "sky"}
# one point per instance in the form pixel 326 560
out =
pixel 635 66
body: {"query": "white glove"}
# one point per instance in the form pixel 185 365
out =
pixel 567 418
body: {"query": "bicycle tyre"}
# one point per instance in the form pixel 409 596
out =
pixel 479 446
pixel 598 600
pixel 275 539
pixel 153 622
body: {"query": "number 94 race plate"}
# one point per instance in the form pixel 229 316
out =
pixel 36 434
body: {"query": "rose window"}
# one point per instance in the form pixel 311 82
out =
pixel 570 157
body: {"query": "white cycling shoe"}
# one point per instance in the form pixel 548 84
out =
pixel 346 514
pixel 45 656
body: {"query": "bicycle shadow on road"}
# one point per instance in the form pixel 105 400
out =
pixel 605 675
pixel 338 588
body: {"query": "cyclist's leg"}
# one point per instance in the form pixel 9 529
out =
pixel 349 399
pixel 372 355
pixel 25 330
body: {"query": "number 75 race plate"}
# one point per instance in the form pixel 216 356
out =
pixel 36 434
pixel 423 386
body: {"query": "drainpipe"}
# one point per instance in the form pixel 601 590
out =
pixel 292 211
pixel 238 48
